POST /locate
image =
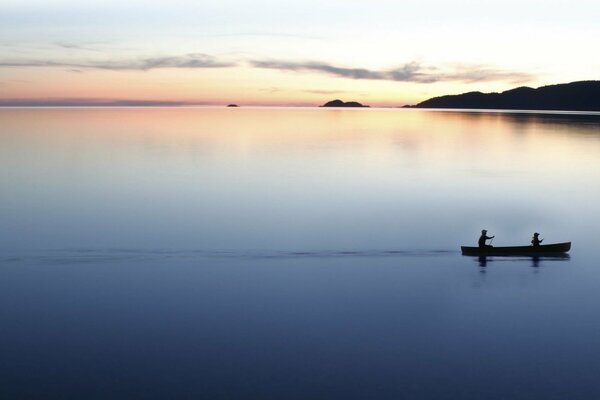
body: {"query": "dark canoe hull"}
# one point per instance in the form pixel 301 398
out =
pixel 547 249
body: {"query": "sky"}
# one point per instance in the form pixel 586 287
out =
pixel 288 53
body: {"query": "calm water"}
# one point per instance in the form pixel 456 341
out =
pixel 296 254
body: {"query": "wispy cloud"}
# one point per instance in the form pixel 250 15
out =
pixel 19 81
pixel 75 46
pixel 323 91
pixel 409 72
pixel 269 34
pixel 478 73
pixel 272 89
pixel 91 102
pixel 98 47
pixel 190 60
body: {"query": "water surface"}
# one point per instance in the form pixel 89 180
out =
pixel 296 253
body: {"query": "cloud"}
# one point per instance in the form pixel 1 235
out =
pixel 190 60
pixel 272 89
pixel 4 83
pixel 479 73
pixel 68 45
pixel 322 91
pixel 354 73
pixel 409 72
pixel 98 47
pixel 269 34
pixel 91 102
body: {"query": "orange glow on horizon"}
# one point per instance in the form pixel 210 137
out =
pixel 239 85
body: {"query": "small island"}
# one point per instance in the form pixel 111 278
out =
pixel 232 105
pixel 340 103
pixel 574 96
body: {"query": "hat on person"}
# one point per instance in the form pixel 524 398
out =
pixel 536 234
pixel 483 231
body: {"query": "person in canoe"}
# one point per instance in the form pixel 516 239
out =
pixel 483 238
pixel 535 241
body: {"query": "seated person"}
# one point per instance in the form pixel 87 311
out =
pixel 535 241
pixel 483 238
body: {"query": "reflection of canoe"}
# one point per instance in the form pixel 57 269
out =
pixel 546 249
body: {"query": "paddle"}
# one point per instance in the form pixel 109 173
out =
pixel 491 240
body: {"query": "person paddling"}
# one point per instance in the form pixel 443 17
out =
pixel 535 241
pixel 483 238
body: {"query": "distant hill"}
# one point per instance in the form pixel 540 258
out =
pixel 575 96
pixel 340 103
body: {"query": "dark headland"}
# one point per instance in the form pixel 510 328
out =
pixel 574 96
pixel 340 103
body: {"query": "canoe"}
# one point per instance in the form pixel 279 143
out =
pixel 541 250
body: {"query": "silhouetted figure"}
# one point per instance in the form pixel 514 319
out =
pixel 535 241
pixel 483 238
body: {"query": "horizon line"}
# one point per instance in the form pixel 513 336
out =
pixel 32 103
pixel 397 108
